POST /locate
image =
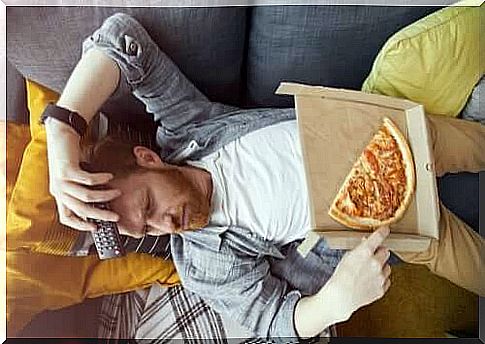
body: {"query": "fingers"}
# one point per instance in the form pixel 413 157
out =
pixel 382 255
pixel 386 271
pixel 87 195
pixel 387 284
pixel 385 279
pixel 132 231
pixel 68 218
pixel 376 238
pixel 88 211
pixel 82 177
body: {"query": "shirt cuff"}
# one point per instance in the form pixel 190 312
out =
pixel 284 325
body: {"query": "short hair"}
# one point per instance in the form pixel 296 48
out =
pixel 112 155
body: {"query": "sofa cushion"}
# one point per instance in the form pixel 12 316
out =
pixel 17 138
pixel 16 96
pixel 474 108
pixel 324 45
pixel 207 44
pixel 434 62
pixel 459 192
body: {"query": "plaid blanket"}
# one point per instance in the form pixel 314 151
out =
pixel 163 315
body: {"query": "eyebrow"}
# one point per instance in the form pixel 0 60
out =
pixel 145 208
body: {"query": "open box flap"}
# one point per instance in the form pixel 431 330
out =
pixel 296 89
pixel 349 239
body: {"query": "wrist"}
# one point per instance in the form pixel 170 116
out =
pixel 337 300
pixel 63 142
pixel 326 304
pixel 67 115
pixel 55 127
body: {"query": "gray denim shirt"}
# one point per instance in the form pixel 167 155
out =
pixel 255 281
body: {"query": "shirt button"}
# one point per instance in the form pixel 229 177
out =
pixel 132 48
pixel 96 38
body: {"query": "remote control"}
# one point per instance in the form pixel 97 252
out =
pixel 106 237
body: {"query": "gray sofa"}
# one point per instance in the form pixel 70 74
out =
pixel 236 55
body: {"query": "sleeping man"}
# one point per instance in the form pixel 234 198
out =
pixel 228 187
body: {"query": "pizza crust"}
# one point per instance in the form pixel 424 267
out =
pixel 365 223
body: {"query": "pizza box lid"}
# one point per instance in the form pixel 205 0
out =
pixel 334 127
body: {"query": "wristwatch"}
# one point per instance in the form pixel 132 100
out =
pixel 71 118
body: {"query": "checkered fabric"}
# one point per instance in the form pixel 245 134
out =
pixel 165 315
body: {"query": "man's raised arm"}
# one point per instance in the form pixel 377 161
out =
pixel 93 80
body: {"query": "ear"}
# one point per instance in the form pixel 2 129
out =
pixel 147 158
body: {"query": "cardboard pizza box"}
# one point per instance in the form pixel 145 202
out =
pixel 335 125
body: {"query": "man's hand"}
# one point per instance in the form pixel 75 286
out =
pixel 69 184
pixel 362 276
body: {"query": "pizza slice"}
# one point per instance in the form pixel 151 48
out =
pixel 379 188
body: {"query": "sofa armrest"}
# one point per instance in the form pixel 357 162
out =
pixel 16 96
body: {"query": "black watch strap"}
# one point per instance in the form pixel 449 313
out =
pixel 71 118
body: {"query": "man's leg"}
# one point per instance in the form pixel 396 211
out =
pixel 458 145
pixel 459 254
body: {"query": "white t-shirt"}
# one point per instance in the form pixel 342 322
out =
pixel 259 183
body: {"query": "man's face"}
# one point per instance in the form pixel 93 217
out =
pixel 157 201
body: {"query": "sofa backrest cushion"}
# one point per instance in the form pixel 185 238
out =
pixel 333 46
pixel 44 44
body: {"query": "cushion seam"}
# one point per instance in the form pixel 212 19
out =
pixel 425 31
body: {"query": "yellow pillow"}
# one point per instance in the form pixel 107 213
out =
pixel 32 218
pixel 18 136
pixel 37 281
pixel 434 61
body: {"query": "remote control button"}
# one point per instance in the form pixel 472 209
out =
pixel 117 252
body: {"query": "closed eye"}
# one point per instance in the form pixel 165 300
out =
pixel 147 204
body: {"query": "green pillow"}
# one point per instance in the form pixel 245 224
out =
pixel 434 61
